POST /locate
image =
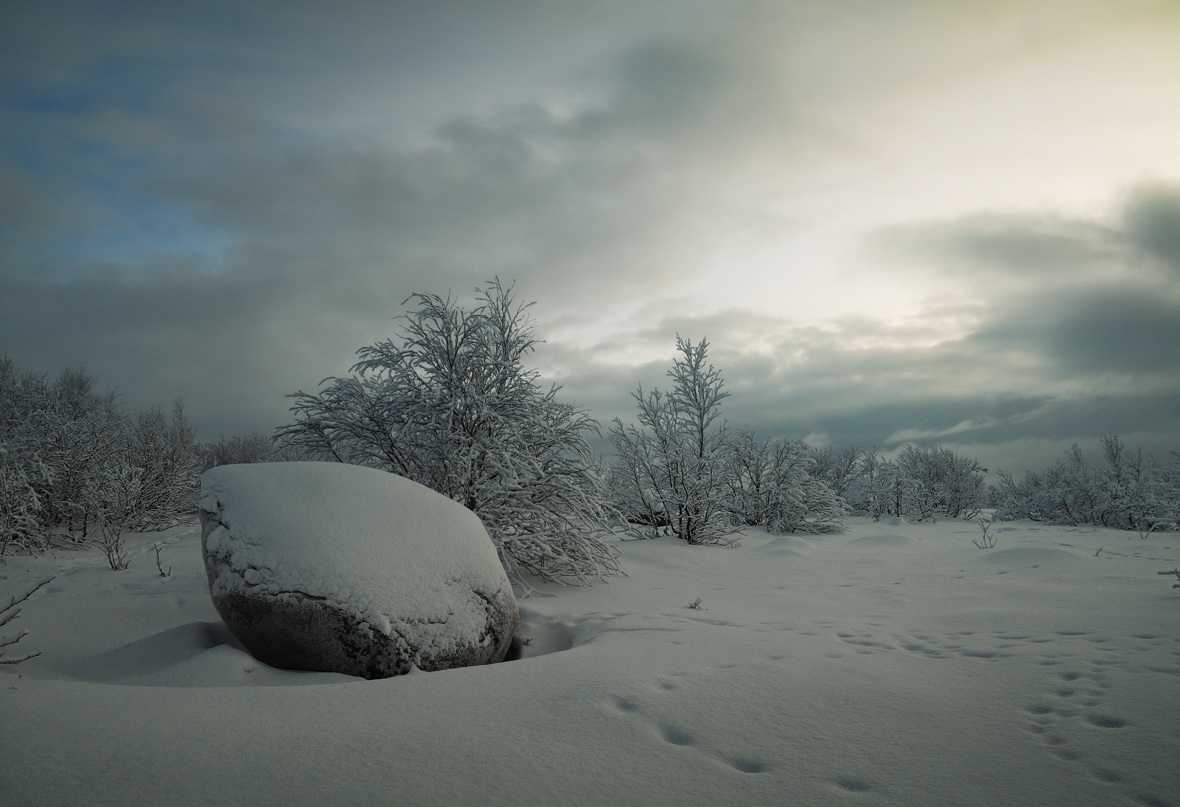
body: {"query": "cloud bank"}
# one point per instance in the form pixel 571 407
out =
pixel 935 222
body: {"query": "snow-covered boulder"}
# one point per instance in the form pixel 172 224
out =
pixel 332 567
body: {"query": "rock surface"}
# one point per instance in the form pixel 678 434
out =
pixel 338 568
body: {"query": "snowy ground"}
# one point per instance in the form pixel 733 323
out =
pixel 892 664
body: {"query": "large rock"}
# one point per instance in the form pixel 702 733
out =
pixel 331 567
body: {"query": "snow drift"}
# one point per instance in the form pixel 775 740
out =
pixel 912 669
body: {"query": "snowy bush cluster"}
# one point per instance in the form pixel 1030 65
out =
pixel 74 465
pixel 681 469
pixel 1126 491
pixel 918 484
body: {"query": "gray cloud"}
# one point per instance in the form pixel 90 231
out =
pixel 168 230
pixel 1152 221
pixel 1100 330
pixel 1012 399
pixel 223 202
pixel 988 246
pixel 1083 297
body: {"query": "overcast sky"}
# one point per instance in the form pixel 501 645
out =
pixel 931 221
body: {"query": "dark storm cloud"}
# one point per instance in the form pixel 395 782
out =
pixel 184 214
pixel 1094 331
pixel 1152 221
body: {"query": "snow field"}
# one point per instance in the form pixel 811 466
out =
pixel 891 664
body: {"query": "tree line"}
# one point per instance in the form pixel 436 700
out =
pixel 77 467
pixel 454 404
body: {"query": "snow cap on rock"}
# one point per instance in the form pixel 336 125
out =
pixel 409 576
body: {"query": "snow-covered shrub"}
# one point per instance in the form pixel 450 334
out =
pixel 774 483
pixel 21 475
pixel 985 540
pixel 674 464
pixel 941 483
pixel 113 495
pixel 838 469
pixel 1126 492
pixel 919 484
pixel 61 440
pixel 168 463
pixel 452 405
pixel 240 449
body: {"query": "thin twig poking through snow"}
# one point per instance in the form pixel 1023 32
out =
pixel 160 566
pixel 985 541
pixel 9 613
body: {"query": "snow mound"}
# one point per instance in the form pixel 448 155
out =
pixel 1028 557
pixel 786 545
pixel 332 567
pixel 884 539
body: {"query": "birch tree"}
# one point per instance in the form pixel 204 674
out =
pixel 452 404
pixel 675 462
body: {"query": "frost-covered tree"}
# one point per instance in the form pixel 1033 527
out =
pixel 635 480
pixel 749 479
pixel 878 487
pixel 837 468
pixel 674 465
pixel 62 441
pixel 82 429
pixel 919 483
pixel 27 437
pixel 63 427
pixel 939 482
pixel 1165 486
pixel 451 404
pixel 167 459
pixel 774 483
pixel 236 450
pixel 22 475
pixel 1128 491
pixel 860 490
pixel 1129 494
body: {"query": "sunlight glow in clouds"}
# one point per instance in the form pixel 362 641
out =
pixel 888 219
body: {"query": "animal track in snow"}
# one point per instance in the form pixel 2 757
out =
pixel 853 784
pixel 676 736
pixel 675 733
pixel 747 765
